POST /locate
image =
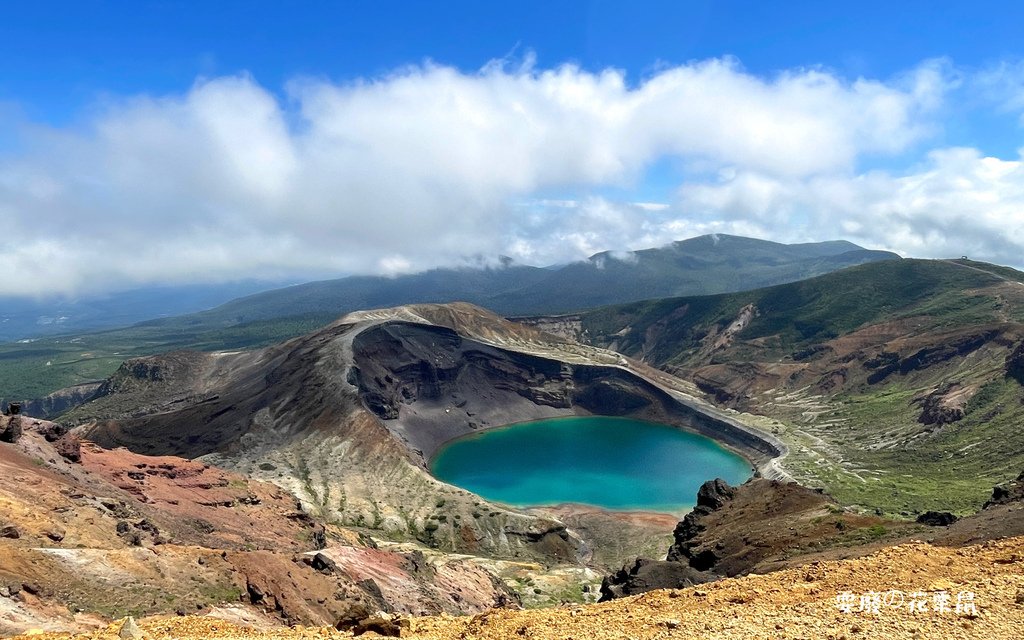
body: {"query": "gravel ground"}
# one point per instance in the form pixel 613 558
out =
pixel 910 581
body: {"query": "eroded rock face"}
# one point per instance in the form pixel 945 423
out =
pixel 58 402
pixel 888 363
pixel 945 405
pixel 431 385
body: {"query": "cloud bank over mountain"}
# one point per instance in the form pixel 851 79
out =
pixel 434 166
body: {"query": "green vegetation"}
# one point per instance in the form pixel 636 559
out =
pixel 34 369
pixel 700 265
pixel 862 438
pixel 904 467
pixel 801 314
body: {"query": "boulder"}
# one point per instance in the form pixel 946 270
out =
pixel 10 531
pixel 323 563
pixel 129 630
pixel 69 447
pixel 937 518
pixel 381 624
pixel 645 575
pixel 55 533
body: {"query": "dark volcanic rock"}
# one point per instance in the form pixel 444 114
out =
pixel 1012 491
pixel 10 531
pixel 611 397
pixel 646 575
pixel 323 563
pixel 957 347
pixel 936 518
pixel 942 405
pixel 10 428
pixel 712 495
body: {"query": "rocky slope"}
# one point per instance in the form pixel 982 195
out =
pixel 821 600
pixel 88 533
pixel 766 525
pixel 346 418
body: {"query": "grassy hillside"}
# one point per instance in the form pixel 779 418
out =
pixel 797 315
pixel 703 265
pixel 889 380
pixel 32 369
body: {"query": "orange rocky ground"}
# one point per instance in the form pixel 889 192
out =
pixel 106 533
pixel 790 604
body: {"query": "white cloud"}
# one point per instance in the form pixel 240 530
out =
pixel 424 167
pixel 957 202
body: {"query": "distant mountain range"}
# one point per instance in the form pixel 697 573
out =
pixel 702 265
pixel 29 317
pixel 87 347
pixel 707 264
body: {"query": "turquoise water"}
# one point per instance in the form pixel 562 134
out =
pixel 615 463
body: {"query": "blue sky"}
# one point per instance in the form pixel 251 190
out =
pixel 340 136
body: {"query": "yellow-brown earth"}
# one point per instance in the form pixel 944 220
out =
pixel 794 603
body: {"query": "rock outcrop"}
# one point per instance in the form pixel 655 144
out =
pixel 945 405
pixel 936 518
pixel 10 428
pixel 646 575
pixel 1007 493
pixel 736 530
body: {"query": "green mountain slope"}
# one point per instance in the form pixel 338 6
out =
pixel 708 263
pixel 895 383
pixel 704 265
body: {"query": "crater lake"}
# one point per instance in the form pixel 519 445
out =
pixel 614 463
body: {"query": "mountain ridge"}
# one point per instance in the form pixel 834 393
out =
pixel 39 367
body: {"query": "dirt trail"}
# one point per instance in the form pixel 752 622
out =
pixel 791 604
